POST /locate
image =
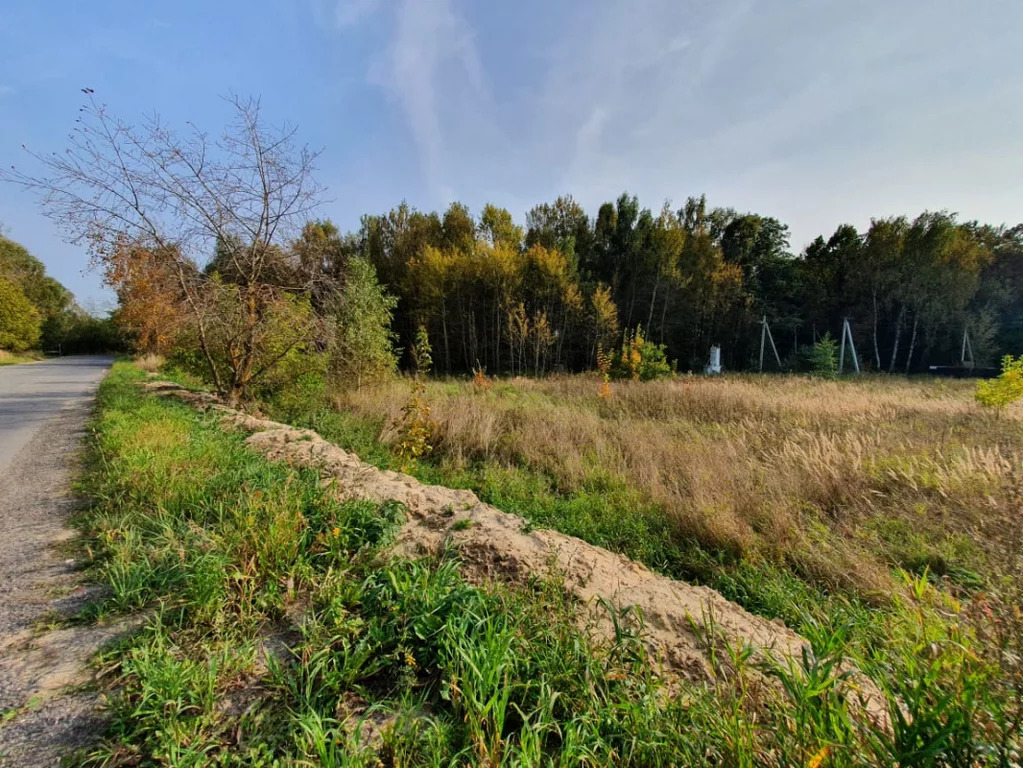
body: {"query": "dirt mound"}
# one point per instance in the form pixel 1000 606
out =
pixel 679 618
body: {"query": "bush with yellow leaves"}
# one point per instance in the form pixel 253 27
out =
pixel 640 359
pixel 1004 390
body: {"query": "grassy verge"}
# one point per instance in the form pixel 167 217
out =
pixel 278 636
pixel 11 358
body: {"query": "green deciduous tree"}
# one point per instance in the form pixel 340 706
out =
pixel 19 319
pixel 498 227
pixel 564 225
pixel 52 301
pixel 361 341
pixel 20 267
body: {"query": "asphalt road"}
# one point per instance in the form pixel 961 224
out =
pixel 33 394
pixel 48 712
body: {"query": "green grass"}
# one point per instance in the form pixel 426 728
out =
pixel 275 625
pixel 608 513
pixel 12 358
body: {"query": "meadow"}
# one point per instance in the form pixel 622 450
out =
pixel 838 483
pixel 873 516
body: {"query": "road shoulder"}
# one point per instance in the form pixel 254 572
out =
pixel 46 706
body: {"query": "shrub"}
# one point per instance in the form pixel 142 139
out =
pixel 819 359
pixel 480 382
pixel 305 392
pixel 286 349
pixel 640 359
pixel 1004 390
pixel 604 363
pixel 150 363
pixel 422 352
pixel 415 428
pixel 19 320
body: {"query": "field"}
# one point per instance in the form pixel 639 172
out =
pixel 876 517
pixel 837 483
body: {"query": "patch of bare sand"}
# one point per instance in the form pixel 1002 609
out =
pixel 681 620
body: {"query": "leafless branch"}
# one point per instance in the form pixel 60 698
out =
pixel 242 196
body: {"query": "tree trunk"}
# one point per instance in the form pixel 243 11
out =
pixel 243 366
pixel 204 346
pixel 912 340
pixel 877 351
pixel 664 315
pixel 474 346
pixel 497 338
pixel 561 340
pixel 898 333
pixel 444 331
pixel 653 300
pixel 465 343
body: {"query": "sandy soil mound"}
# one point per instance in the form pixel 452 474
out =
pixel 497 546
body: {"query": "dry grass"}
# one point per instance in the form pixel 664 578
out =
pixel 150 363
pixel 11 358
pixel 840 480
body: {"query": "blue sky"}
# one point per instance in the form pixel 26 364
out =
pixel 814 111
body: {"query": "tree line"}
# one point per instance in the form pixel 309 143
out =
pixel 217 259
pixel 549 294
pixel 38 312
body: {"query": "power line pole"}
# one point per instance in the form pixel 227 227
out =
pixel 765 335
pixel 847 334
pixel 763 338
pixel 967 362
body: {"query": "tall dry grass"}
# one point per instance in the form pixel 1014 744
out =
pixel 838 479
pixel 150 362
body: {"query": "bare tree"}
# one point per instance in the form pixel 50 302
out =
pixel 244 195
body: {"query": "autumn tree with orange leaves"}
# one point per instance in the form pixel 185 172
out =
pixel 150 303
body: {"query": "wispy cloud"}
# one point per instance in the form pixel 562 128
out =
pixel 348 13
pixel 762 105
pixel 433 71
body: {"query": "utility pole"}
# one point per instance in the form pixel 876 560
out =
pixel 763 338
pixel 847 334
pixel 967 362
pixel 765 335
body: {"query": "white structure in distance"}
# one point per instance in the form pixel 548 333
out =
pixel 714 366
